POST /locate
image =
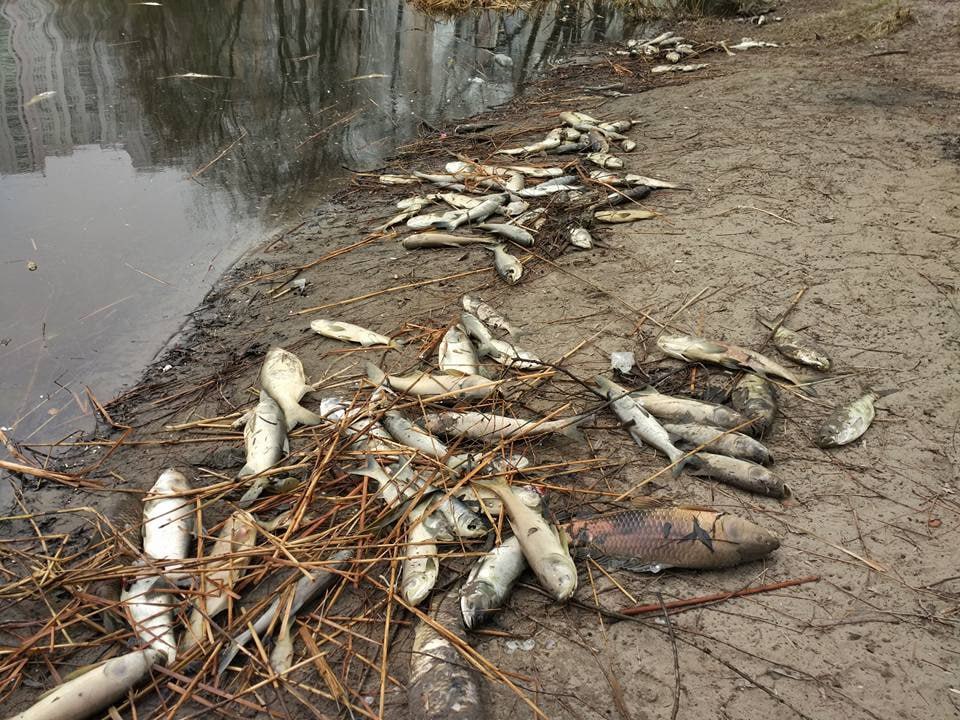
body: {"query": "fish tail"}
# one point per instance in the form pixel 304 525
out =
pixel 246 471
pixel 678 468
pixel 375 374
pixel 396 343
pixel 370 469
pixel 573 430
pixel 300 414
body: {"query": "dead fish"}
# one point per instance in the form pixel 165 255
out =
pixel 543 189
pixel 417 202
pixel 450 220
pixel 450 387
pixel 755 398
pixel 672 56
pixel 515 182
pixel 662 537
pixel 94 689
pixel 794 346
pixel 457 356
pixel 516 207
pixel 408 433
pixel 441 240
pixel 283 378
pixel 580 238
pixel 150 613
pixel 420 565
pixel 223 568
pixel 490 206
pixel 695 349
pixel 460 201
pixel 443 685
pixel 544 547
pixel 715 440
pixel 628 146
pixel 347 332
pixel 739 473
pixel 168 519
pixel 306 589
pixel 642 426
pixel 605 160
pixel 392 487
pixel 510 232
pixel 686 410
pixel 598 141
pixel 848 422
pixel 658 69
pixel 635 193
pixel 397 180
pixel 444 181
pixel 624 216
pixel 39 97
pixel 553 138
pixel 631 179
pixel 748 43
pixel 487 502
pixel 494 428
pixel 493 576
pixel 620 126
pixel 458 166
pixel 265 437
pixel 508 267
pixel 490 582
pixel 499 351
pixel 487 314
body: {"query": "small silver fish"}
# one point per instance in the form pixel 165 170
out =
pixel 420 566
pixel 265 437
pixel 151 616
pixel 580 238
pixel 510 232
pixel 168 520
pixel 508 267
pixel 437 387
pixel 755 398
pixel 457 355
pixel 553 138
pixel 490 582
pixel 487 314
pixel 494 428
pixel 739 473
pixel 714 440
pixel 442 240
pixel 40 97
pixel 499 351
pixel 605 160
pixel 794 346
pixel 283 379
pixel 624 216
pixel 848 422
pixel 348 332
pixel 658 69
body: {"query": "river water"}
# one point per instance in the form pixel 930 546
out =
pixel 127 189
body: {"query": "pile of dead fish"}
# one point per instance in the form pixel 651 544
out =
pixel 495 199
pixel 674 48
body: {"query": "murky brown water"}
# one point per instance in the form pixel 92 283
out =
pixel 105 176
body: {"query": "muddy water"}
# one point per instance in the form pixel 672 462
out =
pixel 126 190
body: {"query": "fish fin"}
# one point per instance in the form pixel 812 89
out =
pixel 375 374
pixel 242 420
pixel 573 430
pixel 246 471
pixel 253 492
pixel 301 415
pixel 370 469
pixel 883 393
pixel 678 468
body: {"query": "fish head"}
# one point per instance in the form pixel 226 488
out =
pixel 563 576
pixel 417 586
pixel 469 524
pixel 675 345
pixel 752 541
pixel 170 481
pixel 478 601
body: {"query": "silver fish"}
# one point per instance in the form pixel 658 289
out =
pixel 794 346
pixel 580 238
pixel 487 314
pixel 694 349
pixel 848 422
pixel 631 179
pixel 283 378
pixel 543 190
pixel 510 232
pixel 347 332
pixel 500 351
pixel 151 616
pixel 714 440
pixel 437 387
pixel 619 126
pixel 491 581
pixel 624 216
pixel 658 69
pixel 544 547
pixel 450 220
pixel 642 426
pixel 685 410
pixel 487 502
pixel 420 566
pixel 748 43
pixel 494 428
pixel 441 240
pixel 443 685
pixel 393 488
pixel 416 203
pixel 397 180
pixel 605 160
pixel 553 138
pixel 461 201
pixel 739 473
pixel 755 398
pixel 516 207
pixel 491 206
pixel 168 519
pixel 95 689
pixel 508 267
pixel 39 97
pixel 265 437
pixel 412 435
pixel 457 355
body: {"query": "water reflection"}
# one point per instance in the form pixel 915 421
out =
pixel 99 183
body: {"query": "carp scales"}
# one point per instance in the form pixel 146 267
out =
pixel 443 685
pixel 283 379
pixel 848 422
pixel 696 349
pixel 739 473
pixel 264 437
pixel 794 346
pixel 755 399
pixel 660 537
pixel 348 332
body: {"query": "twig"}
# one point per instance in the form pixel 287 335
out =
pixel 676 659
pixel 716 597
pixel 200 171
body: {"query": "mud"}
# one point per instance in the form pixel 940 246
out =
pixel 818 165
